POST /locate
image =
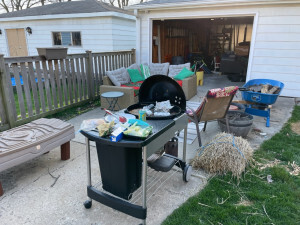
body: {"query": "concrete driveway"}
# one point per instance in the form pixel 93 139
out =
pixel 31 197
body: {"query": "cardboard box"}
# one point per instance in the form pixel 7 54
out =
pixel 117 134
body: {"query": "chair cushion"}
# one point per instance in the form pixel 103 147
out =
pixel 175 69
pixel 135 75
pixel 159 68
pixel 184 73
pixel 145 71
pixel 119 76
pixel 222 92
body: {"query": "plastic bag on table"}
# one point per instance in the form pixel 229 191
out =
pixel 91 124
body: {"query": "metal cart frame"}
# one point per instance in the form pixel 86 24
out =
pixel 148 149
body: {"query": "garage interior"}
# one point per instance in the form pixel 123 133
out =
pixel 221 43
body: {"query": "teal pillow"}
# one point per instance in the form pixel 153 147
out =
pixel 145 71
pixel 135 75
pixel 184 73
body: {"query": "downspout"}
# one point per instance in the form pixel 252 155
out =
pixel 138 36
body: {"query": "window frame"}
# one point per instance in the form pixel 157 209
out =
pixel 71 38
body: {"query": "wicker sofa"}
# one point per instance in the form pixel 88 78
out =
pixel 189 85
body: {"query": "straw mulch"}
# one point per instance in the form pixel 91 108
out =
pixel 225 153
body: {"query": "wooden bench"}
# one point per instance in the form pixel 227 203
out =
pixel 28 141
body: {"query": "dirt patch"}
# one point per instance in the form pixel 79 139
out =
pixel 296 127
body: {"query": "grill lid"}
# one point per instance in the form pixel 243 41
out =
pixel 161 88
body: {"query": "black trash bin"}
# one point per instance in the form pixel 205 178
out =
pixel 120 168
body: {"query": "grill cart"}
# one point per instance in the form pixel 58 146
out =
pixel 123 165
pixel 260 102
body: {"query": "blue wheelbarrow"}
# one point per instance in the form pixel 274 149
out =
pixel 260 102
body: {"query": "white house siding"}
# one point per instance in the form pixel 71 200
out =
pixel 97 33
pixel 275 45
pixel 123 34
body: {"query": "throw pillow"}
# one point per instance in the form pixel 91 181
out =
pixel 159 68
pixel 175 69
pixel 118 76
pixel 145 71
pixel 135 75
pixel 134 66
pixel 184 73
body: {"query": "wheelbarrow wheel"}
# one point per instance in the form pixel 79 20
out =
pixel 87 204
pixel 187 173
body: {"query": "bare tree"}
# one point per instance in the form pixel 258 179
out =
pixel 16 5
pixel 122 3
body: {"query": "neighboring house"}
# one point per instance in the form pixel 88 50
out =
pixel 78 25
pixel 272 27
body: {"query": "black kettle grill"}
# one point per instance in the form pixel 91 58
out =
pixel 158 88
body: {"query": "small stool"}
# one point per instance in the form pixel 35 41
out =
pixel 199 75
pixel 112 98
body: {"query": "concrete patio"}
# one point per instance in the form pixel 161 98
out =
pixel 32 197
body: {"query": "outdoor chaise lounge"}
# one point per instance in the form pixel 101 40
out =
pixel 28 141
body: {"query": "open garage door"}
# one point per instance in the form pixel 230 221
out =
pixel 222 44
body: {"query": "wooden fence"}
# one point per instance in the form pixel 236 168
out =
pixel 32 87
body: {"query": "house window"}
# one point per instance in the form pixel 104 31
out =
pixel 67 38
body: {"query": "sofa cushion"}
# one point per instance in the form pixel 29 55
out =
pixel 184 73
pixel 159 68
pixel 175 69
pixel 145 71
pixel 119 76
pixel 135 75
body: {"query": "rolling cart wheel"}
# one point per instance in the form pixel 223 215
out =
pixel 187 173
pixel 87 204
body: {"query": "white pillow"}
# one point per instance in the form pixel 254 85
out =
pixel 159 68
pixel 175 69
pixel 119 76
pixel 134 67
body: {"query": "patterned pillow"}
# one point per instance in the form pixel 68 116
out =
pixel 222 92
pixel 175 69
pixel 159 68
pixel 145 71
pixel 119 76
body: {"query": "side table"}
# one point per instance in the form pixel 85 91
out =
pixel 112 98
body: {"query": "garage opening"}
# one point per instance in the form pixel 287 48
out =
pixel 218 45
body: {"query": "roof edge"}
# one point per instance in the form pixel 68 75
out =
pixel 209 3
pixel 73 15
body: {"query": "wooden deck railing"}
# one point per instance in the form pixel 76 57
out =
pixel 32 87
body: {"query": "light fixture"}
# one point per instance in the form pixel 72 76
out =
pixel 29 30
pixel 212 19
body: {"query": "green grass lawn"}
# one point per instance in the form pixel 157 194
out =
pixel 251 200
